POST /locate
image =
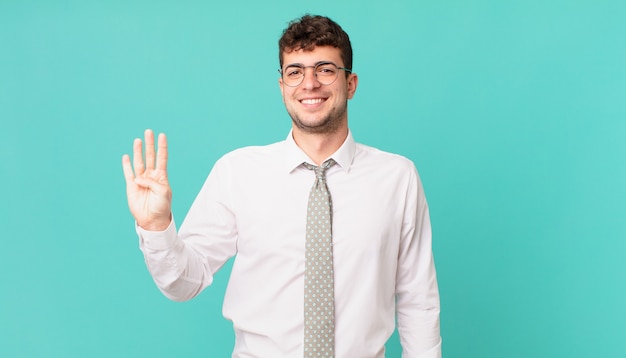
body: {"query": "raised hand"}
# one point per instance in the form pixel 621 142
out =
pixel 147 188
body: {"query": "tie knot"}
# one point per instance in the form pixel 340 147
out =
pixel 320 171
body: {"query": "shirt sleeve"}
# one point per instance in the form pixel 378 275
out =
pixel 182 263
pixel 417 293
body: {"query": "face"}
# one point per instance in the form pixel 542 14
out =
pixel 313 107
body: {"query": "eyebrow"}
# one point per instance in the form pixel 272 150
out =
pixel 316 63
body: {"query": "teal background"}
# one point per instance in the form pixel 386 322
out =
pixel 513 111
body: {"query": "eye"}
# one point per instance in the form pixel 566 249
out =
pixel 326 69
pixel 293 71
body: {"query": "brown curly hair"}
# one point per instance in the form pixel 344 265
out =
pixel 310 31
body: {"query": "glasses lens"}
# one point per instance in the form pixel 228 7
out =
pixel 326 73
pixel 293 75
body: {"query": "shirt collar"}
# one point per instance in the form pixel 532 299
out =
pixel 294 156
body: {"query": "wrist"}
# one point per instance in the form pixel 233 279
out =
pixel 160 224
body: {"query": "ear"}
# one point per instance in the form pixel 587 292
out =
pixel 353 81
pixel 281 86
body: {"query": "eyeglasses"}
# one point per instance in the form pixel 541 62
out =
pixel 325 73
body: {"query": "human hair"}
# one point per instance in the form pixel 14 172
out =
pixel 310 31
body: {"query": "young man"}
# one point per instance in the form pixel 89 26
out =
pixel 318 272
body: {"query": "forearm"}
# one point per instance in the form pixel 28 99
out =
pixel 417 299
pixel 419 326
pixel 178 270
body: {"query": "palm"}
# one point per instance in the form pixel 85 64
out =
pixel 147 203
pixel 147 187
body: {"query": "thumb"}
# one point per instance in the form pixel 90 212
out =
pixel 151 184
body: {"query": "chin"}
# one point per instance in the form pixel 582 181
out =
pixel 325 126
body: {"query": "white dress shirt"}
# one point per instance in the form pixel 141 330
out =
pixel 253 205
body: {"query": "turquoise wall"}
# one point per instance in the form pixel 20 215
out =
pixel 513 111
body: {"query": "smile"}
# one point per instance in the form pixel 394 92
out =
pixel 312 100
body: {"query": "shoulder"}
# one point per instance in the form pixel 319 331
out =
pixel 252 153
pixel 389 168
pixel 394 174
pixel 371 156
pixel 250 158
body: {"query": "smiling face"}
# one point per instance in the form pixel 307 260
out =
pixel 313 107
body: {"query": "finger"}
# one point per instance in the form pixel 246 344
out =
pixel 149 135
pixel 128 170
pixel 137 157
pixel 161 160
pixel 153 185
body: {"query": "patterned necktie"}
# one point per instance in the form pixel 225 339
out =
pixel 319 306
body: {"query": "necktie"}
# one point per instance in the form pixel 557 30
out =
pixel 319 306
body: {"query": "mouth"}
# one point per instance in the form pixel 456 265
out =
pixel 312 101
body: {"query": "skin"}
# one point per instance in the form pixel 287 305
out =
pixel 320 126
pixel 147 188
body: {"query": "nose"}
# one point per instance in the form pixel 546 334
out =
pixel 310 80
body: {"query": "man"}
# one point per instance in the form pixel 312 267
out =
pixel 319 276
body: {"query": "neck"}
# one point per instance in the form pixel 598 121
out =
pixel 319 146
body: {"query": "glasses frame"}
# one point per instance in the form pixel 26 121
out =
pixel 314 67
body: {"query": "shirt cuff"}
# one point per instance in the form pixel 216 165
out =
pixel 157 240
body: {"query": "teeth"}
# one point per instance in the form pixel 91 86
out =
pixel 312 101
